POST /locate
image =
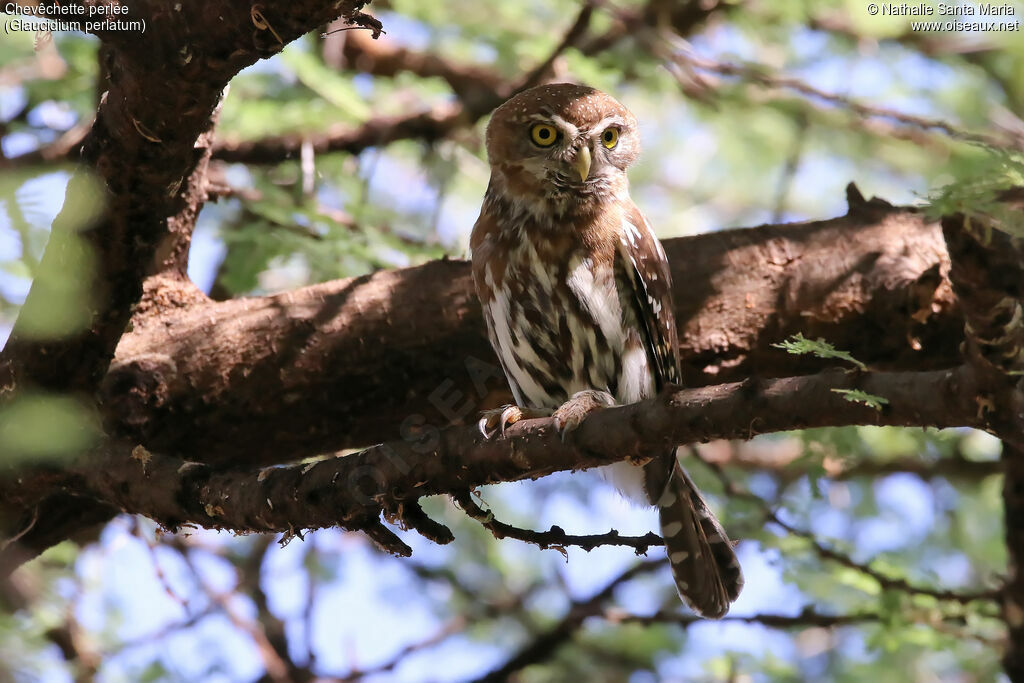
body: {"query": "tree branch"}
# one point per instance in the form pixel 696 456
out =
pixel 352 491
pixel 479 91
pixel 142 164
pixel 756 75
pixel 555 537
pixel 782 458
pixel 807 618
pixel 327 367
pixel 429 126
pixel 546 643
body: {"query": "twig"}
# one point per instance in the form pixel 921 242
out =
pixel 546 643
pixel 807 618
pixel 554 538
pixel 760 76
pixel 886 581
pixel 571 37
pixel 274 653
pixel 451 628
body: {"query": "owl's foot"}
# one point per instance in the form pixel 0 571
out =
pixel 571 414
pixel 496 421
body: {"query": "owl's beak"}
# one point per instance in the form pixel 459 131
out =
pixel 582 163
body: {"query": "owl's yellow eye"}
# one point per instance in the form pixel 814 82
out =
pixel 610 137
pixel 543 135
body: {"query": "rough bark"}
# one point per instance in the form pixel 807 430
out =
pixel 353 490
pixel 347 363
pixel 144 157
pixel 140 149
pixel 987 273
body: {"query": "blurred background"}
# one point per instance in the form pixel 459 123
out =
pixel 863 548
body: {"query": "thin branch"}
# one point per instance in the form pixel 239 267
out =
pixel 430 125
pixel 886 581
pixel 685 59
pixel 809 617
pixel 546 643
pixel 479 90
pixel 454 626
pixel 782 458
pixel 472 84
pixel 792 165
pixel 572 36
pixel 555 537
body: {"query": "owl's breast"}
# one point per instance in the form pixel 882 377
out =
pixel 556 319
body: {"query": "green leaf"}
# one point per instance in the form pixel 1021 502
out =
pixel 858 396
pixel 799 345
pixel 976 195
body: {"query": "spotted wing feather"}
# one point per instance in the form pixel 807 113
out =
pixel 706 571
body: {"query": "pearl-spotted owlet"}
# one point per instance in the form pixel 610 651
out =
pixel 577 294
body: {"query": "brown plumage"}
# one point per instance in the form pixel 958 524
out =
pixel 577 296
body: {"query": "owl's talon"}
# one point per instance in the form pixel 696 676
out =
pixel 496 421
pixel 571 414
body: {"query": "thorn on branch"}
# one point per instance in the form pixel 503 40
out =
pixel 857 204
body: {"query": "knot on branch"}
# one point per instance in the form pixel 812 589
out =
pixel 858 205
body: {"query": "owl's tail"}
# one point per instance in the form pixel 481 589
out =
pixel 707 573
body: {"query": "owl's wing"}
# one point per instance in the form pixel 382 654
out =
pixel 706 571
pixel 648 270
pixel 650 294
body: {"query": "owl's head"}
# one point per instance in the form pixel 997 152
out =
pixel 562 142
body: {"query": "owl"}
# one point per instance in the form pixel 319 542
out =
pixel 577 296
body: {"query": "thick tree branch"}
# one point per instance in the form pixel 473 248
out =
pixel 144 162
pixel 352 491
pixel 341 364
pixel 141 149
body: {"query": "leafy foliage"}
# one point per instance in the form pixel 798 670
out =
pixel 977 196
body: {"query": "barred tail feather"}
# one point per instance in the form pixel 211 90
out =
pixel 706 571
